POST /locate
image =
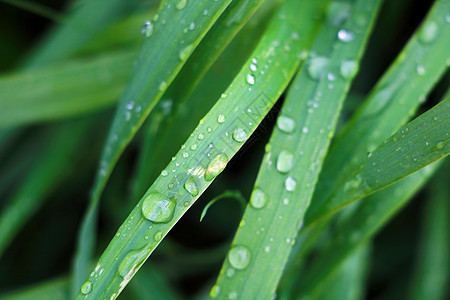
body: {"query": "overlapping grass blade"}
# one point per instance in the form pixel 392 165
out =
pixel 295 152
pixel 79 28
pixel 431 274
pixel 348 281
pixel 364 222
pixel 159 61
pixel 205 154
pixel 51 166
pixel 416 145
pixel 66 90
pixel 171 122
pixel 392 102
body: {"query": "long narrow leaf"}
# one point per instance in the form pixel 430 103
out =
pixel 296 150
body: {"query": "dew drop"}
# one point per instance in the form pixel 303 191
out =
pixel 132 260
pixel 162 86
pixel 200 136
pixel 258 199
pixel 221 119
pixel 216 166
pixel 158 208
pixel 191 186
pixel 158 236
pixel 185 52
pixel 239 135
pixel 239 257
pixel 348 68
pixel 86 288
pixel 290 184
pixel 317 66
pixel 181 4
pixel 285 124
pixel 338 12
pixel 429 32
pixel 250 79
pixel 164 172
pixel 345 36
pixel 420 70
pixel 215 291
pixel 194 146
pixel 285 161
pixel 147 29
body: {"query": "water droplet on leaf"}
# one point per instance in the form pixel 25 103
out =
pixel 158 208
pixel 239 257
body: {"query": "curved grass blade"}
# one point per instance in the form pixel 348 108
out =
pixel 416 145
pixel 174 118
pixel 347 282
pixel 431 274
pixel 51 166
pixel 287 176
pixel 391 103
pixel 205 154
pixel 363 224
pixel 78 29
pixel 86 85
pixel 160 59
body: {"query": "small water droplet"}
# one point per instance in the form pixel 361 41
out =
pixel 162 86
pixel 130 105
pixel 258 199
pixel 231 272
pixel 185 154
pixel 250 79
pixel 267 249
pixel 221 119
pixel 348 68
pixel 429 32
pixel 185 52
pixel 331 76
pixel 305 129
pixel 239 135
pixel 253 67
pixel 194 146
pixel 158 208
pixel 181 4
pixel 158 236
pixel 338 12
pixel 285 124
pixel 191 26
pixel 147 29
pixel 447 18
pixel 290 184
pixel 216 166
pixel 317 66
pixel 420 70
pixel 200 136
pixel 345 36
pixel 232 295
pixel 164 172
pixel 285 161
pixel 191 186
pixel 86 288
pixel 239 257
pixel 215 291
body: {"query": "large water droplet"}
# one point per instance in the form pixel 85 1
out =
pixel 317 66
pixel 239 135
pixel 290 184
pixel 181 4
pixel 429 32
pixel 239 257
pixel 285 124
pixel 216 166
pixel 86 288
pixel 191 186
pixel 285 161
pixel 348 68
pixel 250 79
pixel 158 208
pixel 258 199
pixel 345 36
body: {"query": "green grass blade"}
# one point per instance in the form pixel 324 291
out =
pixel 55 289
pixel 171 122
pixel 159 61
pixel 66 90
pixel 305 126
pixel 205 154
pixel 363 224
pixel 416 145
pixel 431 274
pixel 390 104
pixel 347 282
pixel 51 166
pixel 79 28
